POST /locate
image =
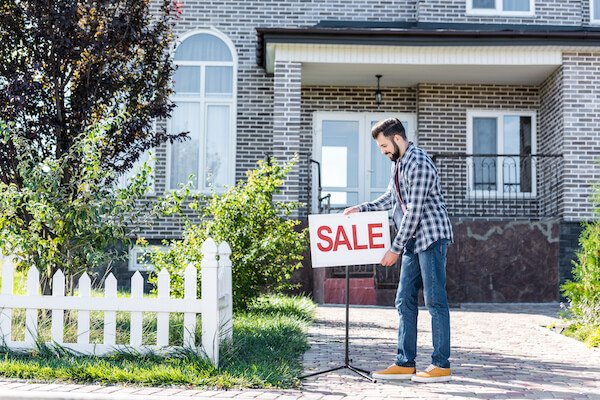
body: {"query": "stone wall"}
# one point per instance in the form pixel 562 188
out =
pixel 499 261
pixel 569 245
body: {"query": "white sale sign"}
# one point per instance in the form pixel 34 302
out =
pixel 354 239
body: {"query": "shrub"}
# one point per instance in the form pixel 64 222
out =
pixel 265 242
pixel 583 291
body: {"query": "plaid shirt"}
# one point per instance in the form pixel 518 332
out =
pixel 426 218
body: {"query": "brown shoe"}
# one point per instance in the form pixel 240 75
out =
pixel 395 372
pixel 433 374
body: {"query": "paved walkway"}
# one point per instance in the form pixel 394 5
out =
pixel 499 352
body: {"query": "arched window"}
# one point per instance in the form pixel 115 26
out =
pixel 205 94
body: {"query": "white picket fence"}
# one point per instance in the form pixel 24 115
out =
pixel 215 306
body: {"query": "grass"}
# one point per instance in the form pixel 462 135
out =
pixel 588 334
pixel 97 327
pixel 269 339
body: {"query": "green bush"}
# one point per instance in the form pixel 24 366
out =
pixel 583 291
pixel 265 242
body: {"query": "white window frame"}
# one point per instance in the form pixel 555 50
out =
pixel 204 103
pixel 134 251
pixel 499 192
pixel 498 11
pixel 593 20
pixel 364 147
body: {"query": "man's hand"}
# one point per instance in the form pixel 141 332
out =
pixel 351 210
pixel 389 259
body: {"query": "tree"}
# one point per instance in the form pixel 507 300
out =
pixel 67 65
pixel 69 232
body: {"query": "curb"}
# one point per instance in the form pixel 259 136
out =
pixel 41 395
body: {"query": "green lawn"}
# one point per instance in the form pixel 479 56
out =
pixel 589 334
pixel 269 340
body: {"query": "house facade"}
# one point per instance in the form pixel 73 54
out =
pixel 503 94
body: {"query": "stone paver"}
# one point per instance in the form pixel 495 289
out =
pixel 499 351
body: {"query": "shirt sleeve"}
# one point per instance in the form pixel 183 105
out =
pixel 382 203
pixel 421 178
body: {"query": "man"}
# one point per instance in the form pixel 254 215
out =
pixel 424 231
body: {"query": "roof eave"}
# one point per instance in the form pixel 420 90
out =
pixel 410 37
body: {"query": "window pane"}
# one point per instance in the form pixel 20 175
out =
pixel 596 9
pixel 219 80
pixel 218 133
pixel 486 4
pixel 484 142
pixel 187 80
pixel 340 154
pixel 203 47
pixel 517 170
pixel 184 155
pixel 515 5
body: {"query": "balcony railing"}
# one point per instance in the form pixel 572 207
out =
pixel 501 185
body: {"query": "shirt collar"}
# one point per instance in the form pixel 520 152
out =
pixel 407 153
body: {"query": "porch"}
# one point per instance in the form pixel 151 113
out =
pixel 493 116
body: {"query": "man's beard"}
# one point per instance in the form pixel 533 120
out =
pixel 396 154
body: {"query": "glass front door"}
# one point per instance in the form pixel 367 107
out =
pixel 353 170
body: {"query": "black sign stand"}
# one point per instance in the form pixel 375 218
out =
pixel 347 360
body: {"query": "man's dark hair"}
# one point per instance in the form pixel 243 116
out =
pixel 389 127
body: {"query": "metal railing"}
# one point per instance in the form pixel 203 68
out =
pixel 323 202
pixel 524 186
pixel 494 186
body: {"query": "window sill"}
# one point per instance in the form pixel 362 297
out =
pixel 492 196
pixel 494 13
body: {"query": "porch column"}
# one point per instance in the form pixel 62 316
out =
pixel 286 124
pixel 581 146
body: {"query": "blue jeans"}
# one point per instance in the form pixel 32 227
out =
pixel 425 270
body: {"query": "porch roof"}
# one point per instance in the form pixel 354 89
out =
pixel 411 52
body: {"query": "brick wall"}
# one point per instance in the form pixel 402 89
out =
pixel 441 113
pixel 239 20
pixel 581 145
pixel 255 93
pixel 255 119
pixel 286 126
pixel 553 12
pixel 442 128
pixel 550 141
